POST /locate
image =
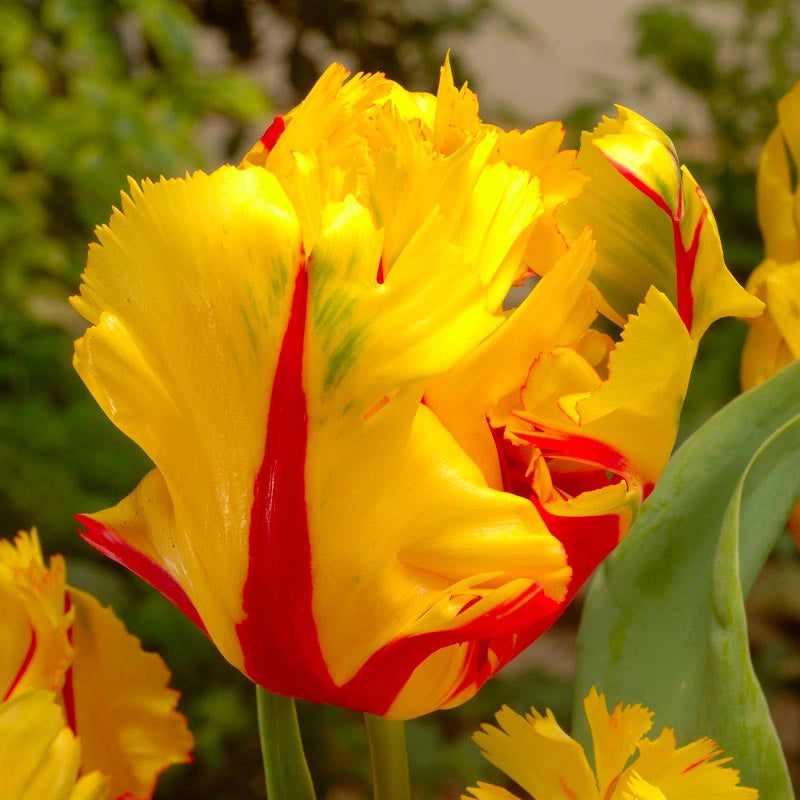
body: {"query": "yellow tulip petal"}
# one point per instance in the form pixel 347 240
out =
pixel 773 340
pixel 789 120
pixel 456 115
pixel 124 711
pixel 403 452
pixel 689 772
pixel 782 298
pixel 652 224
pixel 536 753
pixel 557 312
pixel 633 233
pixel 34 624
pixel 776 201
pixel 638 789
pixel 486 791
pixel 41 756
pixel 635 411
pixel 187 325
pixel 714 291
pixel 764 353
pixel 325 115
pixel 614 736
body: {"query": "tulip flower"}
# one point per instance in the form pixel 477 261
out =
pixel 77 693
pixel 773 340
pixel 373 486
pixel 536 753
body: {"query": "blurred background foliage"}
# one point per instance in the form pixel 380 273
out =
pixel 94 90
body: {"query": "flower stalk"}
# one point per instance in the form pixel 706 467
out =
pixel 387 747
pixel 285 767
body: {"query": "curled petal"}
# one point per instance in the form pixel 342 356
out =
pixel 653 226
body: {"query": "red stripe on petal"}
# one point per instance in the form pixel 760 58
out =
pixel 700 762
pixel 494 639
pixel 684 259
pixel 577 448
pixel 278 634
pixel 641 186
pixel 26 662
pixel 271 135
pixel 586 540
pixel 684 267
pixel 68 690
pixel 109 543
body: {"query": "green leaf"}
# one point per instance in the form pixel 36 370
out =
pixel 664 623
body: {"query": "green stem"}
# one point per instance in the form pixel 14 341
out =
pixel 285 765
pixel 387 746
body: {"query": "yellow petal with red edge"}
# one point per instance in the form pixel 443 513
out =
pixel 638 789
pixel 34 624
pixel 536 753
pixel 614 736
pixel 652 224
pixel 189 291
pixel 690 772
pixel 124 711
pixel 633 233
pixel 451 551
pixel 715 292
pixel 41 756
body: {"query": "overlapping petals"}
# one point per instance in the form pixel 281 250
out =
pixel 364 491
pixel 41 755
pixel 536 753
pixel 773 340
pixel 78 696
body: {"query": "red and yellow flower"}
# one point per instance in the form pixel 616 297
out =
pixel 373 485
pixel 773 340
pixel 536 753
pixel 78 696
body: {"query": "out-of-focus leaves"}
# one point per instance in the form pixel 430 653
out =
pixel 664 623
pixel 685 50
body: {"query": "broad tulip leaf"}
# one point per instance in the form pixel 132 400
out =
pixel 664 624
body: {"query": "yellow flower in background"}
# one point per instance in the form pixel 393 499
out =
pixel 41 755
pixel 773 340
pixel 374 486
pixel 77 693
pixel 538 755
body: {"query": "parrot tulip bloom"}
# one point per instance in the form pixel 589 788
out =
pixel 773 340
pixel 536 753
pixel 77 693
pixel 364 492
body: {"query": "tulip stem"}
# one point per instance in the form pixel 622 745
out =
pixel 285 766
pixel 387 746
